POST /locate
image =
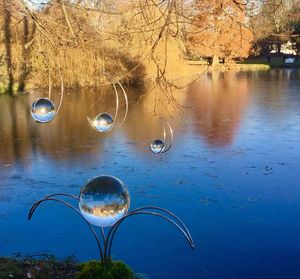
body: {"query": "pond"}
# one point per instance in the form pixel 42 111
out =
pixel 232 176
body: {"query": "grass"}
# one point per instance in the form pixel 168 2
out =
pixel 44 267
pixel 3 88
pixel 112 270
pixel 49 267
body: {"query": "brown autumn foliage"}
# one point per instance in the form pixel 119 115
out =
pixel 276 23
pixel 220 31
pixel 130 39
pixel 75 47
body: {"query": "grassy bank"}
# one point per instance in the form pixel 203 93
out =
pixel 48 267
pixel 241 67
pixel 45 267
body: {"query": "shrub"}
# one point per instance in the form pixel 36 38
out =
pixel 99 270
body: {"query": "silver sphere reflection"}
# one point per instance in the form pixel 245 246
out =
pixel 43 110
pixel 103 122
pixel 104 200
pixel 157 146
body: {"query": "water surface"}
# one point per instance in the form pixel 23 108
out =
pixel 232 175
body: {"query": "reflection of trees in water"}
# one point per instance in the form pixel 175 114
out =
pixel 220 102
pixel 143 124
pixel 69 136
pixel 70 130
pixel 217 105
pixel 21 136
pixel 15 133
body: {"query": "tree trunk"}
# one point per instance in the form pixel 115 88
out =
pixel 215 61
pixel 7 43
pixel 24 70
pixel 278 47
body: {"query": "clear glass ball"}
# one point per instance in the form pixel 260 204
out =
pixel 157 146
pixel 103 122
pixel 104 200
pixel 43 110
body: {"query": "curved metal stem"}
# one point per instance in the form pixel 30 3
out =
pixel 114 82
pixel 126 102
pixel 171 137
pixel 35 206
pixel 171 214
pixel 164 130
pixel 112 231
pixel 49 73
pixel 103 234
pixel 104 242
pixel 61 88
pixel 49 83
pixel 46 55
pixel 117 103
pixel 62 194
pixel 124 93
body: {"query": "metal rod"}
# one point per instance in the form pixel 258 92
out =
pixel 104 243
pixel 171 137
pixel 62 194
pixel 124 93
pixel 49 73
pixel 112 231
pixel 168 212
pixel 35 206
pixel 61 87
pixel 117 104
pixel 164 130
pixel 114 82
pixel 46 55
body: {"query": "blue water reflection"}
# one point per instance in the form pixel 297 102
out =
pixel 232 175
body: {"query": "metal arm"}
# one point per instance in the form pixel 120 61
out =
pixel 112 232
pixel 35 206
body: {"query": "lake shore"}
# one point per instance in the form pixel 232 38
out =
pixel 188 71
pixel 42 267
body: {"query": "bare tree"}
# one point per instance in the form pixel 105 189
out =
pixel 8 43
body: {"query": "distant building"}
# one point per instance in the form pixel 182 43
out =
pixel 285 48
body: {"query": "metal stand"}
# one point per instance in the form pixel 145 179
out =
pixel 105 253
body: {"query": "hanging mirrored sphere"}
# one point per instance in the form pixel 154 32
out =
pixel 103 122
pixel 104 200
pixel 43 110
pixel 157 146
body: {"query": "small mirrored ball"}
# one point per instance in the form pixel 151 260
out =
pixel 103 122
pixel 104 200
pixel 43 110
pixel 157 146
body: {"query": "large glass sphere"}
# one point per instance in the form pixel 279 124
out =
pixel 104 200
pixel 103 122
pixel 43 110
pixel 157 146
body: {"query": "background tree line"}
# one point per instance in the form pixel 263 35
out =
pixel 131 39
